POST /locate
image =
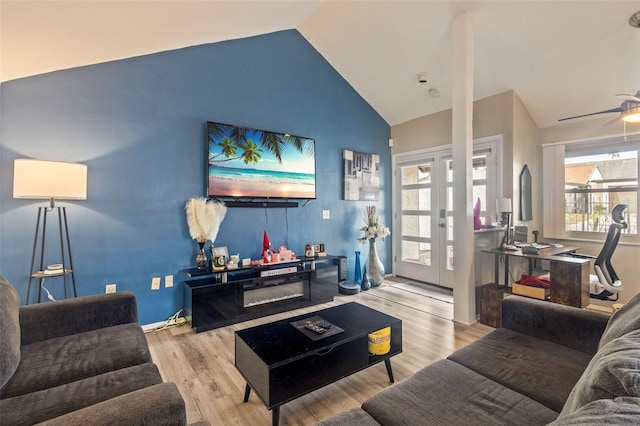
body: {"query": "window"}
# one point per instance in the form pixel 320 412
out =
pixel 596 176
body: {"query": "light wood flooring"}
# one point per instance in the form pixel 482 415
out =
pixel 202 365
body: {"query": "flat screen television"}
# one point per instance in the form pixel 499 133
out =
pixel 251 163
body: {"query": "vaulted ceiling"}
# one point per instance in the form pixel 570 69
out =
pixel 562 58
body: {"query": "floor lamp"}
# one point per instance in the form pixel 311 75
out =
pixel 50 180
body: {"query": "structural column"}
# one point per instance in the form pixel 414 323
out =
pixel 464 308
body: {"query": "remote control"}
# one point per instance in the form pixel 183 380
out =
pixel 311 326
pixel 324 324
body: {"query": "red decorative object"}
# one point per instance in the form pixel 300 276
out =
pixel 266 248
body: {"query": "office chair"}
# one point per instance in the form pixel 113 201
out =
pixel 605 283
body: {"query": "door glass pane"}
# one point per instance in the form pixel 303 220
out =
pixel 450 257
pixel 479 168
pixel 416 226
pixel 419 252
pixel 416 199
pixel 413 175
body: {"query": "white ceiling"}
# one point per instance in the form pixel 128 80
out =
pixel 562 58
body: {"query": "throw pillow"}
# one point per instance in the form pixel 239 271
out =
pixel 623 321
pixel 613 371
pixel 9 331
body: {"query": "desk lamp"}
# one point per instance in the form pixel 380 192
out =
pixel 50 180
pixel 503 206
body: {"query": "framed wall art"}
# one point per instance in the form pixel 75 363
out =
pixel 361 176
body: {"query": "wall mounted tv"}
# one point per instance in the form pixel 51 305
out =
pixel 252 163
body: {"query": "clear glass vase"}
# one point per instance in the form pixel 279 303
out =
pixel 373 266
pixel 201 257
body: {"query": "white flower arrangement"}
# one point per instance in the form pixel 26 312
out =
pixel 373 227
pixel 204 218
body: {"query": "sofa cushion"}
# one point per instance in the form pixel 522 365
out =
pixel 9 331
pixel 61 360
pixel 156 405
pixel 617 411
pixel 623 321
pixel 447 393
pixel 614 371
pixel 353 417
pixel 46 404
pixel 542 370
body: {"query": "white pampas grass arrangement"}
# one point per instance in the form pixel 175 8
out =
pixel 204 218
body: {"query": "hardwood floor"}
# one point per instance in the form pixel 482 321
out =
pixel 202 365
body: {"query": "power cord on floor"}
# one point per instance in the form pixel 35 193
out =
pixel 173 320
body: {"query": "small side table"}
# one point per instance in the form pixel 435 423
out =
pixel 490 296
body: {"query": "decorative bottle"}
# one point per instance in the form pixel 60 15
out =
pixel 357 274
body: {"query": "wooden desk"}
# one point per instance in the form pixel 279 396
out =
pixel 569 275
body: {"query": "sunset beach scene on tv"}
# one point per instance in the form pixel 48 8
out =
pixel 244 162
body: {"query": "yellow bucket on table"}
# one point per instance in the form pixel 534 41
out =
pixel 380 341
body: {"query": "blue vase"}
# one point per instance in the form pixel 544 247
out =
pixel 357 275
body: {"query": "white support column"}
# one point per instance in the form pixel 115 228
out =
pixel 464 307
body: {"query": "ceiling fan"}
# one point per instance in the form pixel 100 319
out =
pixel 629 110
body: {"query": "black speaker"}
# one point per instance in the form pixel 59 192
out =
pixel 343 267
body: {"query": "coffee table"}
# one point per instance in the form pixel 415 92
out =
pixel 281 363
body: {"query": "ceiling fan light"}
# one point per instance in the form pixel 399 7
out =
pixel 632 115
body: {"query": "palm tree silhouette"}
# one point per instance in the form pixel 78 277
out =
pixel 234 139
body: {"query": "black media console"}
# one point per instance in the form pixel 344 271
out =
pixel 215 299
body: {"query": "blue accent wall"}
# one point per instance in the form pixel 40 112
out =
pixel 140 123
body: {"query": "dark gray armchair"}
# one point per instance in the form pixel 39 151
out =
pixel 80 361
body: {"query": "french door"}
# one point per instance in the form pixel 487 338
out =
pixel 423 209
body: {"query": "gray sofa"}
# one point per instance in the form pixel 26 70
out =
pixel 547 364
pixel 80 361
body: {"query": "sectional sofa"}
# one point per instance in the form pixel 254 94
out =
pixel 82 361
pixel 547 364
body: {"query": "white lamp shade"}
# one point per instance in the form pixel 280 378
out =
pixel 503 205
pixel 40 179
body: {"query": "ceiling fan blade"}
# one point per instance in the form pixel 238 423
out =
pixel 593 113
pixel 614 121
pixel 629 98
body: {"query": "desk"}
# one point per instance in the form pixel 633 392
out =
pixel 569 275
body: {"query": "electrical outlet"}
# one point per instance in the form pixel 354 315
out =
pixel 110 288
pixel 168 281
pixel 155 283
pixel 326 214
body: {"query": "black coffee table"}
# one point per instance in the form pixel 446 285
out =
pixel 281 363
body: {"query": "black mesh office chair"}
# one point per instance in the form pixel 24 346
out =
pixel 605 283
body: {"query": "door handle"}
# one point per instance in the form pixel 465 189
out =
pixel 441 225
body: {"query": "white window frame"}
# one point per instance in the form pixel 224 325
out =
pixel 553 194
